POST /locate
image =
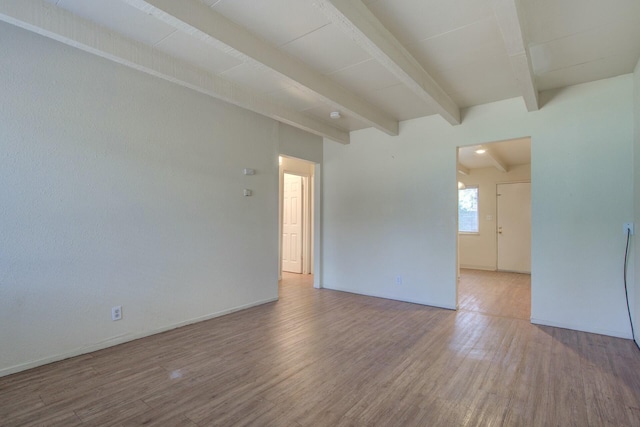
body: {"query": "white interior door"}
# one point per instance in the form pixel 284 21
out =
pixel 514 227
pixel 292 224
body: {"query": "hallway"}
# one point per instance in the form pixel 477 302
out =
pixel 495 293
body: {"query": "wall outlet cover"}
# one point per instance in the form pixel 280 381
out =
pixel 116 312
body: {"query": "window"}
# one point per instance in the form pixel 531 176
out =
pixel 468 210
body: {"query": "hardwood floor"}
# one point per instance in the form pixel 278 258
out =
pixel 495 293
pixel 326 358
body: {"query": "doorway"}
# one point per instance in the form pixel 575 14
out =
pixel 297 216
pixel 494 224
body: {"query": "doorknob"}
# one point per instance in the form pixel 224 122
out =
pixel 499 230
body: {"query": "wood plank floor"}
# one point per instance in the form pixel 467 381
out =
pixel 326 358
pixel 495 293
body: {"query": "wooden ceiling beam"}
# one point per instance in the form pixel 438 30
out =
pixel 362 26
pixel 463 169
pixel 496 160
pixel 56 23
pixel 199 20
pixel 509 17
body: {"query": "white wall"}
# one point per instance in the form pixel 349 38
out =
pixel 300 144
pixel 479 250
pixel 390 204
pixel 122 189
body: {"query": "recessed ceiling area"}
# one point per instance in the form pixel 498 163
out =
pixel 378 62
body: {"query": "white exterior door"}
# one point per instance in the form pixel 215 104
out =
pixel 514 227
pixel 292 224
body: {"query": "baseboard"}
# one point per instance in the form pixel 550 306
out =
pixel 477 267
pixel 380 295
pixel 598 331
pixel 124 338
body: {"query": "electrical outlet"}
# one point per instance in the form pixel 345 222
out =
pixel 398 280
pixel 116 312
pixel 628 226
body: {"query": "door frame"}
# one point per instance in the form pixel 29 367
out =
pixel 457 233
pixel 312 255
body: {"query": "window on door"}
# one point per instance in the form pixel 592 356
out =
pixel 468 210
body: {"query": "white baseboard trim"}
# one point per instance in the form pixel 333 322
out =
pixel 123 339
pixel 477 267
pixel 617 334
pixel 380 295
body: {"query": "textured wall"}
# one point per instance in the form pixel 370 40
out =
pixel 122 189
pixel 300 144
pixel 390 204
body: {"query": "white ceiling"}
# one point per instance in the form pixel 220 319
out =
pixel 502 155
pixel 376 61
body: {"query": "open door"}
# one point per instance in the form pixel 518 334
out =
pixel 292 224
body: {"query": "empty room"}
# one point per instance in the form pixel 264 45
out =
pixel 319 212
